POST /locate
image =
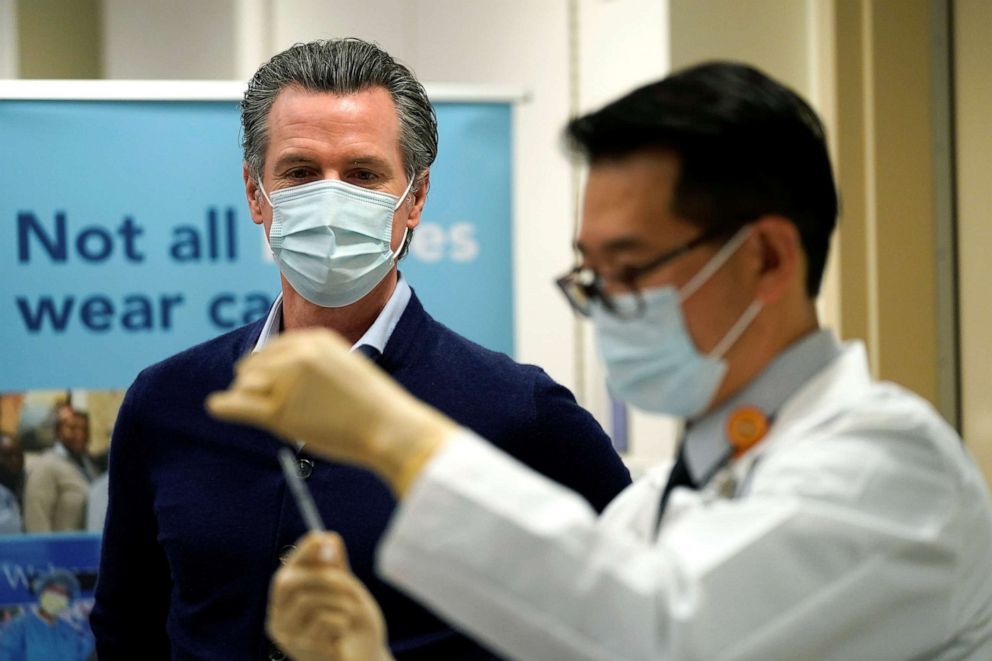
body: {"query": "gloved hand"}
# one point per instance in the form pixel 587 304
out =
pixel 318 610
pixel 306 385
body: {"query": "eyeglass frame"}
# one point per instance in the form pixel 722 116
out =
pixel 594 290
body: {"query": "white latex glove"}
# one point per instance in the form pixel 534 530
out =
pixel 307 385
pixel 319 611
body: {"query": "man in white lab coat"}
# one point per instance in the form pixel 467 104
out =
pixel 811 513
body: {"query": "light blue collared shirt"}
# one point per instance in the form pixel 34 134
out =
pixel 10 513
pixel 378 333
pixel 706 445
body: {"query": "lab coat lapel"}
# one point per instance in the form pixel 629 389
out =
pixel 843 382
pixel 828 394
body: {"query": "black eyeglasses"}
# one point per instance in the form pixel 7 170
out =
pixel 582 286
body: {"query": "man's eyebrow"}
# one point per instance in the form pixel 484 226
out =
pixel 291 159
pixel 613 246
pixel 375 161
pixel 369 160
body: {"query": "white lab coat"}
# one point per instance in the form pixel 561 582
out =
pixel 858 529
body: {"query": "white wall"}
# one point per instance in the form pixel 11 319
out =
pixel 392 24
pixel 623 44
pixel 169 39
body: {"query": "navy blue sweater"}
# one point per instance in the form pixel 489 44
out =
pixel 199 512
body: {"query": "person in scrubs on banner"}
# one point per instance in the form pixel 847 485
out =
pixel 811 512
pixel 42 633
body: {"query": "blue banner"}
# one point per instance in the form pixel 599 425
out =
pixel 126 237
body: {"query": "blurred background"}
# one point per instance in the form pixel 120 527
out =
pixel 904 87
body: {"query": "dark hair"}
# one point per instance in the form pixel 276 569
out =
pixel 747 146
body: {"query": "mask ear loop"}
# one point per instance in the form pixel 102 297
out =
pixel 258 182
pixel 712 266
pixel 403 196
pixel 718 260
pixel 406 229
pixel 737 329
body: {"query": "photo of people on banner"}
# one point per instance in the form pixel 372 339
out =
pixel 52 622
pixel 53 458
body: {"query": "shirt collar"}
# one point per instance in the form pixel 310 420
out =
pixel 376 336
pixel 382 328
pixel 706 445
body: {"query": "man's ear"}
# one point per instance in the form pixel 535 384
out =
pixel 781 260
pixel 254 195
pixel 419 196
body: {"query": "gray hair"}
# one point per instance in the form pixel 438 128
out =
pixel 341 66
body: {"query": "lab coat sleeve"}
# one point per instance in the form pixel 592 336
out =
pixel 509 593
pixel 526 566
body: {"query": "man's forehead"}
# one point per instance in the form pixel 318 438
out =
pixel 627 204
pixel 296 104
pixel 360 126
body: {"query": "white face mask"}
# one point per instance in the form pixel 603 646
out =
pixel 652 362
pixel 332 239
pixel 53 602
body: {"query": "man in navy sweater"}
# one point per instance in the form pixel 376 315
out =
pixel 338 142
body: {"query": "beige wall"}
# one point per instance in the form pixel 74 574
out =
pixel 973 101
pixel 771 34
pixel 886 174
pixel 59 38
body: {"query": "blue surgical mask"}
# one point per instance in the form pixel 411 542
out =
pixel 651 360
pixel 331 239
